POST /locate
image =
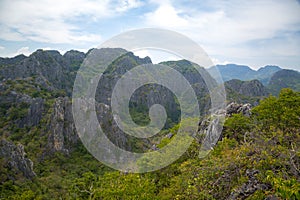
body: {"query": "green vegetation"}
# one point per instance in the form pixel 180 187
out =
pixel 267 142
pixel 284 79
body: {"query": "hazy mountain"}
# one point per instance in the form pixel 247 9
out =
pixel 245 91
pixel 264 74
pixel 245 73
pixel 284 79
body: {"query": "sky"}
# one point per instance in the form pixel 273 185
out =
pixel 254 33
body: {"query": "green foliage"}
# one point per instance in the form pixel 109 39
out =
pixel 29 87
pixel 17 112
pixel 113 185
pixel 281 113
pixel 237 126
pixel 271 146
pixel 286 189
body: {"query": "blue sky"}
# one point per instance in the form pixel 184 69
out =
pixel 254 33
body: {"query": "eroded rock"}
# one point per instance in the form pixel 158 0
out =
pixel 15 159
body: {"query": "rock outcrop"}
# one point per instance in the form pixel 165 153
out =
pixel 234 108
pixel 62 133
pixel 249 187
pixel 210 127
pixel 252 88
pixel 32 108
pixel 50 68
pixel 15 158
pixel 34 114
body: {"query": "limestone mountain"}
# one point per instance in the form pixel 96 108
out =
pixel 11 61
pixel 265 73
pixel 49 68
pixel 245 73
pixel 36 93
pixel 42 157
pixel 245 91
pixel 284 79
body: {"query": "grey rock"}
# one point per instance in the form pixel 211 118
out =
pixel 11 61
pixel 35 113
pixel 15 157
pixel 50 69
pixel 209 130
pixel 234 108
pixel 252 88
pixel 210 126
pixel 249 187
pixel 35 107
pixel 62 135
pixel 154 147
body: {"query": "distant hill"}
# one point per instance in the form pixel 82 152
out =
pixel 284 79
pixel 245 91
pixel 244 73
pixel 11 61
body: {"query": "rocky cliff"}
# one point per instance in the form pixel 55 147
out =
pixel 35 103
pixel 13 158
pixel 35 99
pixel 49 67
pixel 245 91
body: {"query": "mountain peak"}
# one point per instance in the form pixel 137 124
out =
pixel 285 78
pixel 269 68
pixel 245 73
pixel 49 52
pixel 232 65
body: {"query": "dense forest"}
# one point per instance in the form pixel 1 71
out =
pixel 256 157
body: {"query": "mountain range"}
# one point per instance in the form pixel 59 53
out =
pixel 245 73
pixel 39 145
pixel 274 78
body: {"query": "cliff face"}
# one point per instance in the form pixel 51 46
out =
pixel 62 133
pixel 148 95
pixel 248 88
pixel 210 126
pixel 14 159
pixel 35 99
pixel 49 67
pixel 245 91
pixel 36 105
pixel 24 110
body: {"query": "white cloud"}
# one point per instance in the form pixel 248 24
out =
pixel 218 62
pixel 142 53
pixel 2 48
pixel 166 16
pixel 7 34
pixel 156 55
pixel 23 50
pixel 125 5
pixel 50 20
pixel 229 23
pixel 228 29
